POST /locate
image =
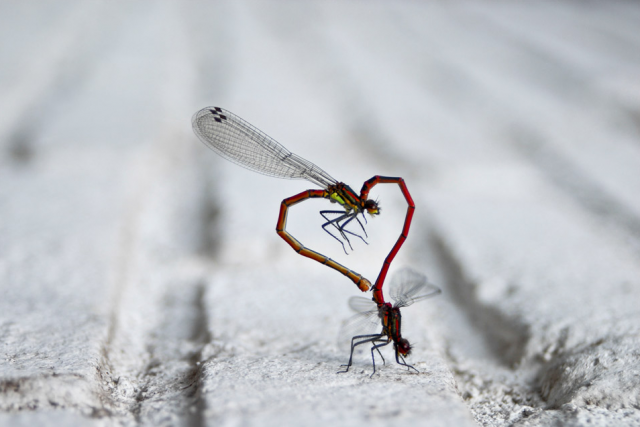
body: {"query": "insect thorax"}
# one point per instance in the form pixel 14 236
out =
pixel 345 196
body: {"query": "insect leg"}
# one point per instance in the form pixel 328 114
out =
pixel 377 347
pixel 368 338
pixel 362 283
pixel 334 222
pixel 404 363
pixel 362 226
pixel 351 217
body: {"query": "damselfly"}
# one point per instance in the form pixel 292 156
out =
pixel 407 287
pixel 240 142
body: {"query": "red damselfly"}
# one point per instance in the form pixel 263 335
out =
pixel 238 141
pixel 407 287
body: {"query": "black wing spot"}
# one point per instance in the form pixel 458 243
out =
pixel 217 116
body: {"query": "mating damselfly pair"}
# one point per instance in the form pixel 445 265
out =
pixel 238 141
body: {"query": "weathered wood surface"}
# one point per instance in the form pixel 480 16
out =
pixel 142 282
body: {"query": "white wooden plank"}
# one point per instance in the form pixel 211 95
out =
pixel 70 214
pixel 273 315
pixel 143 283
pixel 505 214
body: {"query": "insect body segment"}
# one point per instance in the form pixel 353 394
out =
pixel 391 332
pixel 240 142
pixel 335 197
pixel 362 283
pixel 411 207
pixel 408 287
pixel 353 206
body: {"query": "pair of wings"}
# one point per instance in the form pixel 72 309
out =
pixel 244 144
pixel 407 287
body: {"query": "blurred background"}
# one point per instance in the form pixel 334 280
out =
pixel 126 245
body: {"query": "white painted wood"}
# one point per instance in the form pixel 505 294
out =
pixel 142 282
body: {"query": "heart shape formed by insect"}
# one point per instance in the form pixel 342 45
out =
pixel 343 192
pixel 238 141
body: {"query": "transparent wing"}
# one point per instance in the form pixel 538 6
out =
pixel 362 304
pixel 240 142
pixel 408 286
pixel 362 323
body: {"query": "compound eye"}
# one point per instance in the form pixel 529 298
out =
pixel 404 347
pixel 372 207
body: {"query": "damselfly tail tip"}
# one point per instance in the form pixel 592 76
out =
pixel 364 285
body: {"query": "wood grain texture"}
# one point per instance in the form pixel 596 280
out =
pixel 142 282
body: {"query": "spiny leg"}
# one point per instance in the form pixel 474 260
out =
pixel 377 347
pixel 343 214
pixel 353 346
pixel 281 228
pixel 362 226
pixel 342 229
pixel 333 222
pixel 369 338
pixel 404 363
pixel 384 362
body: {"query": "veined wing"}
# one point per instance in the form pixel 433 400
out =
pixel 365 322
pixel 242 143
pixel 362 304
pixel 408 286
